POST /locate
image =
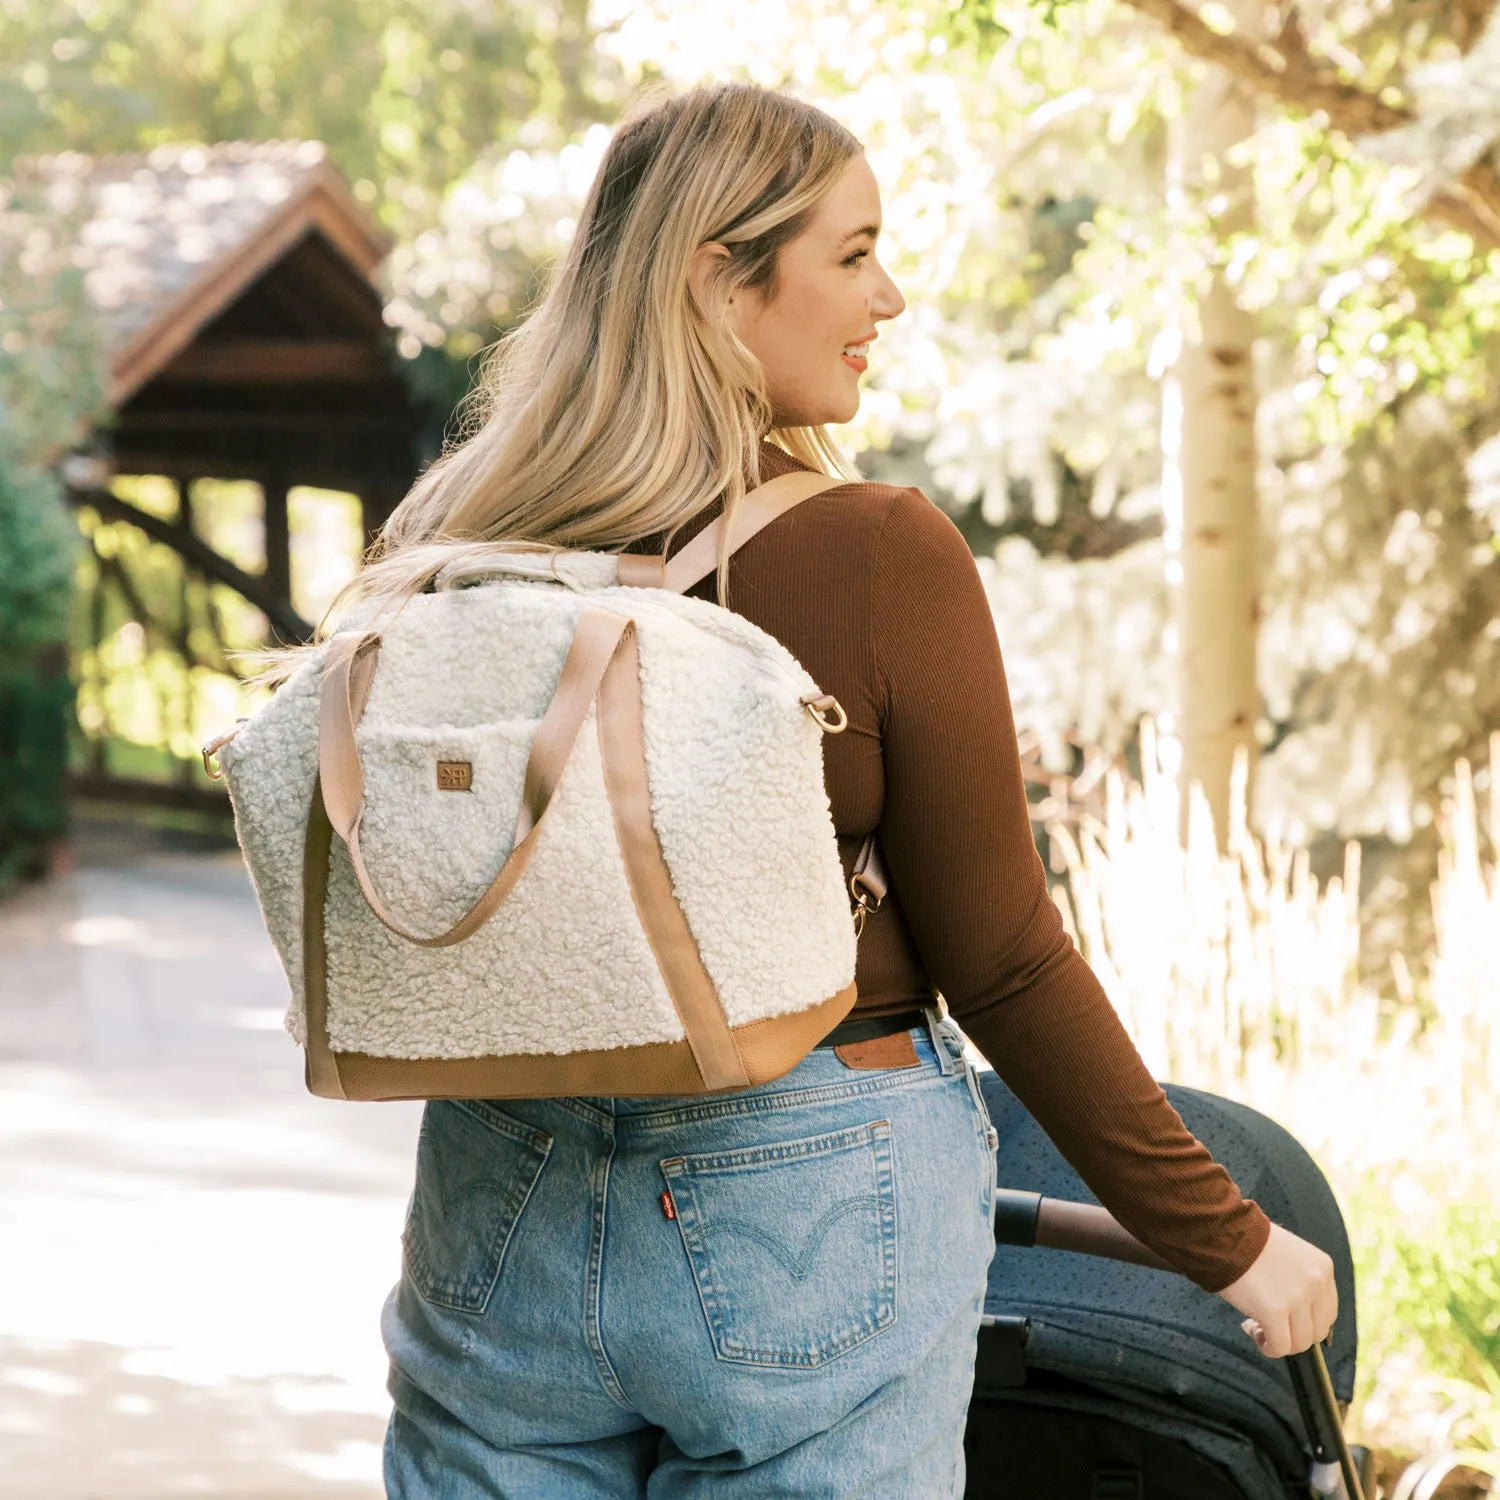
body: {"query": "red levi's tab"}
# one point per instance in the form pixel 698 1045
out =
pixel 668 1208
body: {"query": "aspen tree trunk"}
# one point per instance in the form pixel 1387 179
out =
pixel 1218 605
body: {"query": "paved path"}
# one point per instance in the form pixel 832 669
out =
pixel 193 1251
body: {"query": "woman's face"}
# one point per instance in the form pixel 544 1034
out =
pixel 812 336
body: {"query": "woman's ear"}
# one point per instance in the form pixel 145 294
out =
pixel 702 268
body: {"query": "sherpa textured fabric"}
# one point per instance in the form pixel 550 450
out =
pixel 737 797
pixel 872 588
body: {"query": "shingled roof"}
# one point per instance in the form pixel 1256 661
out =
pixel 171 236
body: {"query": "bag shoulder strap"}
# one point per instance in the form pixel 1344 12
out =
pixel 868 883
pixel 701 555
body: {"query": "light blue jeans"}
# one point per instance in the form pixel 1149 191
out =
pixel 774 1292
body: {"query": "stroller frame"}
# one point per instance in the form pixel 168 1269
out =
pixel 1027 1220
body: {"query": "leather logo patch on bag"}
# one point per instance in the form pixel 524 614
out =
pixel 455 776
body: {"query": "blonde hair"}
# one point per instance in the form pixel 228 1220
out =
pixel 624 403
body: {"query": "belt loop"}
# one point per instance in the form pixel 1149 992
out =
pixel 946 1064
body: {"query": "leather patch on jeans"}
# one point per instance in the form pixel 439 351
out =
pixel 894 1051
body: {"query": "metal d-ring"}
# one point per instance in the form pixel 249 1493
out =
pixel 827 712
pixel 212 748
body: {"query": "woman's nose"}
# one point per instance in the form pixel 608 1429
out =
pixel 888 301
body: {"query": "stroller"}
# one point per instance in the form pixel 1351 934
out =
pixel 1106 1380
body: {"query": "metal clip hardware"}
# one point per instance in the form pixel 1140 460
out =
pixel 866 901
pixel 212 748
pixel 827 711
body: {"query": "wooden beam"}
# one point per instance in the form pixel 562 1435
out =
pixel 362 424
pixel 330 474
pixel 250 361
pixel 278 610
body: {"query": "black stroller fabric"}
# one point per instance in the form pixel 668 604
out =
pixel 1104 1381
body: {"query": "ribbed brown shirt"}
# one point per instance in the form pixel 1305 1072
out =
pixel 875 592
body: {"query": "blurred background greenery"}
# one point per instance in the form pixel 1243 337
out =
pixel 1201 355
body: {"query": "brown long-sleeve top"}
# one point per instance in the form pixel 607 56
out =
pixel 873 589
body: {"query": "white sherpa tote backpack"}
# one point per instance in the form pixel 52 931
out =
pixel 552 829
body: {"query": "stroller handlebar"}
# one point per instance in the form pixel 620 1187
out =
pixel 1056 1224
pixel 1029 1219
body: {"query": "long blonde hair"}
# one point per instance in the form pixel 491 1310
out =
pixel 624 403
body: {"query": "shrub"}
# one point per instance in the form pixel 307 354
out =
pixel 38 549
pixel 51 392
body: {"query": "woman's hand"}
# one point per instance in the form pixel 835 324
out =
pixel 1288 1293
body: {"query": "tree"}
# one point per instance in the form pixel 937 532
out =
pixel 1219 535
pixel 1286 70
pixel 1375 282
pixel 50 390
pixel 405 95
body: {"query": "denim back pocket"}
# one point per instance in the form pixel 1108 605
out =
pixel 476 1168
pixel 792 1246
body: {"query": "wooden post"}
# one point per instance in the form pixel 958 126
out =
pixel 183 638
pixel 278 537
pixel 376 502
pixel 98 742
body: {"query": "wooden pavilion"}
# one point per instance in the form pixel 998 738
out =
pixel 245 339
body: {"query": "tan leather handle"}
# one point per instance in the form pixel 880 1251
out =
pixel 347 672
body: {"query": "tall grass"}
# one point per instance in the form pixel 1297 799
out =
pixel 1239 973
pixel 1466 965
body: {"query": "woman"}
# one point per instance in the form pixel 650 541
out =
pixel 723 285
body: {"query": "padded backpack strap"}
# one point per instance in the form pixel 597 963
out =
pixel 701 555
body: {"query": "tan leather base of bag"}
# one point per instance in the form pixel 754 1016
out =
pixel 768 1048
pixel 765 1049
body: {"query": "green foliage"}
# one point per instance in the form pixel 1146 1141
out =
pixel 1431 1285
pixel 50 391
pixel 51 341
pixel 38 543
pixel 38 550
pixel 404 94
pixel 975 24
pixel 1380 343
pixel 35 714
pixel 1448 1290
